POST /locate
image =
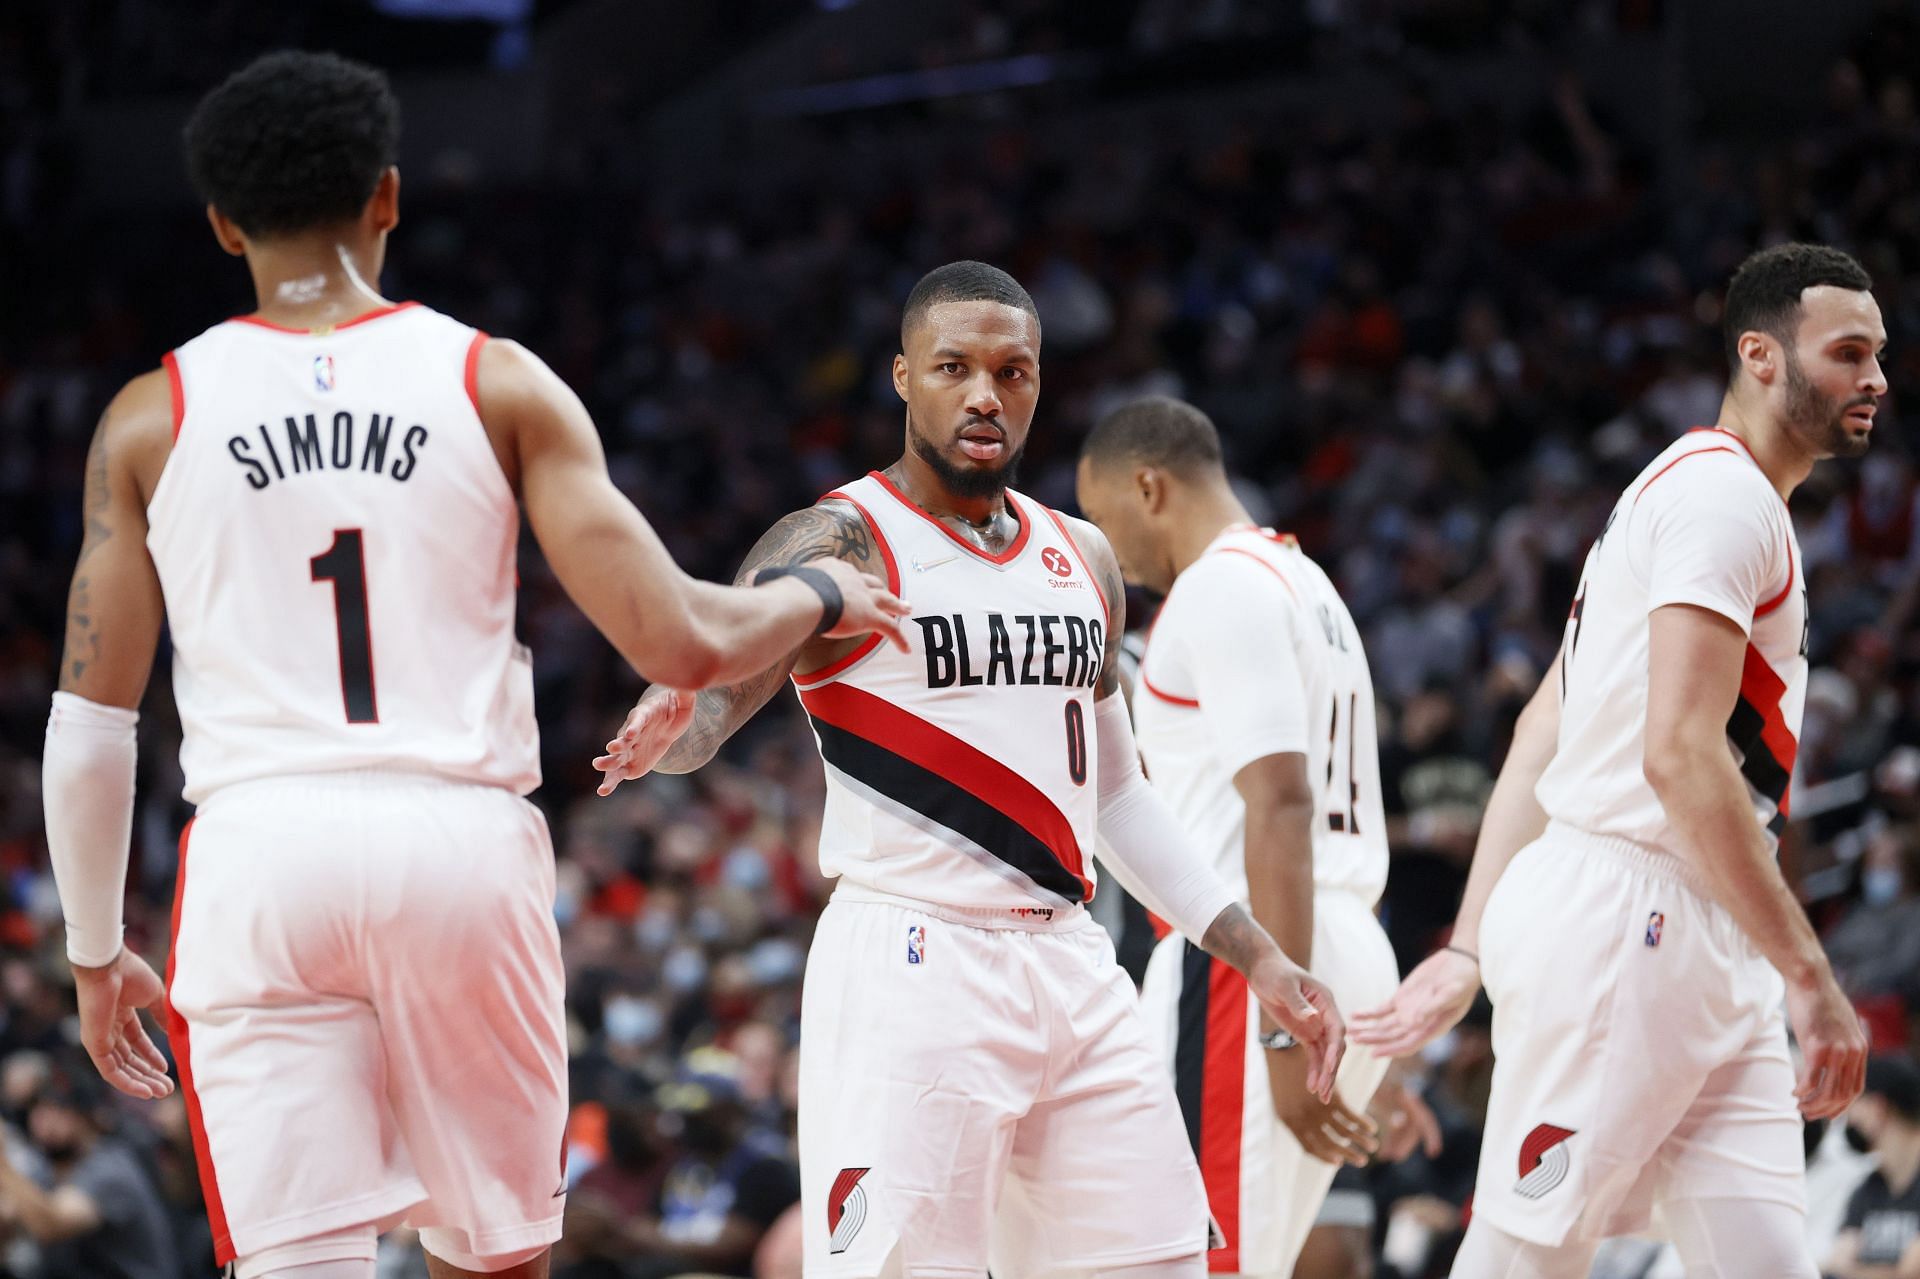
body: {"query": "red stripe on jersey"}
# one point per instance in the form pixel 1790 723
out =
pixel 176 391
pixel 1004 557
pixel 183 1056
pixel 1223 1091
pixel 374 314
pixel 1781 598
pixel 871 642
pixel 472 373
pixel 1764 690
pixel 1061 524
pixel 1171 698
pixel 1721 430
pixel 1677 461
pixel 933 748
pixel 1235 550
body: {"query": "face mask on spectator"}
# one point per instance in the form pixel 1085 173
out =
pixel 655 929
pixel 629 1021
pixel 684 970
pixel 1879 885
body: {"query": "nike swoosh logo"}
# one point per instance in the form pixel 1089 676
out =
pixel 927 566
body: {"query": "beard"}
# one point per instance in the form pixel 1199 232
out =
pixel 965 481
pixel 1819 418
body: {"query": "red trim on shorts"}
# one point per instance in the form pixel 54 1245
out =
pixel 1223 1085
pixel 176 391
pixel 472 373
pixel 182 1055
pixel 875 640
pixel 1061 523
pixel 374 314
pixel 1005 557
pixel 856 711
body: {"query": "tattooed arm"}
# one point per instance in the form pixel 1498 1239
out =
pixel 829 530
pixel 114 609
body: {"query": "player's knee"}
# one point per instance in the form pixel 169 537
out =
pixel 1745 1237
pixel 339 1254
pixel 444 1245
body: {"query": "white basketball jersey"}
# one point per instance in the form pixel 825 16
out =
pixel 1254 653
pixel 964 771
pixel 336 541
pixel 1702 525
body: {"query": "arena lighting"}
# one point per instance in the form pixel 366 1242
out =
pixel 919 86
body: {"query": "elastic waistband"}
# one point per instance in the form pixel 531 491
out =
pixel 1631 854
pixel 354 779
pixel 1026 919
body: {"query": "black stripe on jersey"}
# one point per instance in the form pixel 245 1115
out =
pixel 1763 772
pixel 948 804
pixel 1190 1037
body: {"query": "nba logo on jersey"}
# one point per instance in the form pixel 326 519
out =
pixel 323 372
pixel 916 944
pixel 1655 922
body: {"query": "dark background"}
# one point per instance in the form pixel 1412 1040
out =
pixel 1445 272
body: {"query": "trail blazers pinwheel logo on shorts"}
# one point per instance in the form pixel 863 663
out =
pixel 846 1209
pixel 1543 1161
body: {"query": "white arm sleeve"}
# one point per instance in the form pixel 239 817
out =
pixel 1141 841
pixel 86 786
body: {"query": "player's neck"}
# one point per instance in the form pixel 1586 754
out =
pixel 307 282
pixel 924 489
pixel 1780 457
pixel 1204 513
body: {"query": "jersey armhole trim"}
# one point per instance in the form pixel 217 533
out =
pixel 471 375
pixel 807 679
pixel 1059 522
pixel 1781 598
pixel 176 391
pixel 1235 550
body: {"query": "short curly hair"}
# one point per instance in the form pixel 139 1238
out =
pixel 962 282
pixel 293 141
pixel 1764 294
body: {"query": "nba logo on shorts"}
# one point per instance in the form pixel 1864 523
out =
pixel 323 372
pixel 1655 923
pixel 916 944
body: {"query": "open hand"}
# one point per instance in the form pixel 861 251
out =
pixel 1303 1006
pixel 110 1027
pixel 652 727
pixel 1429 1003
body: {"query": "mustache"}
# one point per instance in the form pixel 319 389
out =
pixel 979 419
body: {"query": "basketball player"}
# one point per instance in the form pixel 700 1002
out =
pixel 1624 905
pixel 975 1080
pixel 1254 707
pixel 319 499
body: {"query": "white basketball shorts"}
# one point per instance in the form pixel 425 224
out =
pixel 1640 1050
pixel 975 1087
pixel 1264 1189
pixel 365 1001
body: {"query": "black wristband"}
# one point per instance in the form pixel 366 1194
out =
pixel 832 603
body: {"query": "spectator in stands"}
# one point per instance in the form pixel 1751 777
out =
pixel 1875 950
pixel 101 1217
pixel 1881 1237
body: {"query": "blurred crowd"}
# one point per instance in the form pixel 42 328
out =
pixel 1438 337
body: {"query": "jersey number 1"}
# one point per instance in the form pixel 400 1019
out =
pixel 345 565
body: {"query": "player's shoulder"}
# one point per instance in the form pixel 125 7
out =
pixel 1706 465
pixel 142 411
pixel 1101 560
pixel 1251 565
pixel 832 528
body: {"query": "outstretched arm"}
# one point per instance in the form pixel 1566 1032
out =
pixel 670 627
pixel 694 725
pixel 1437 994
